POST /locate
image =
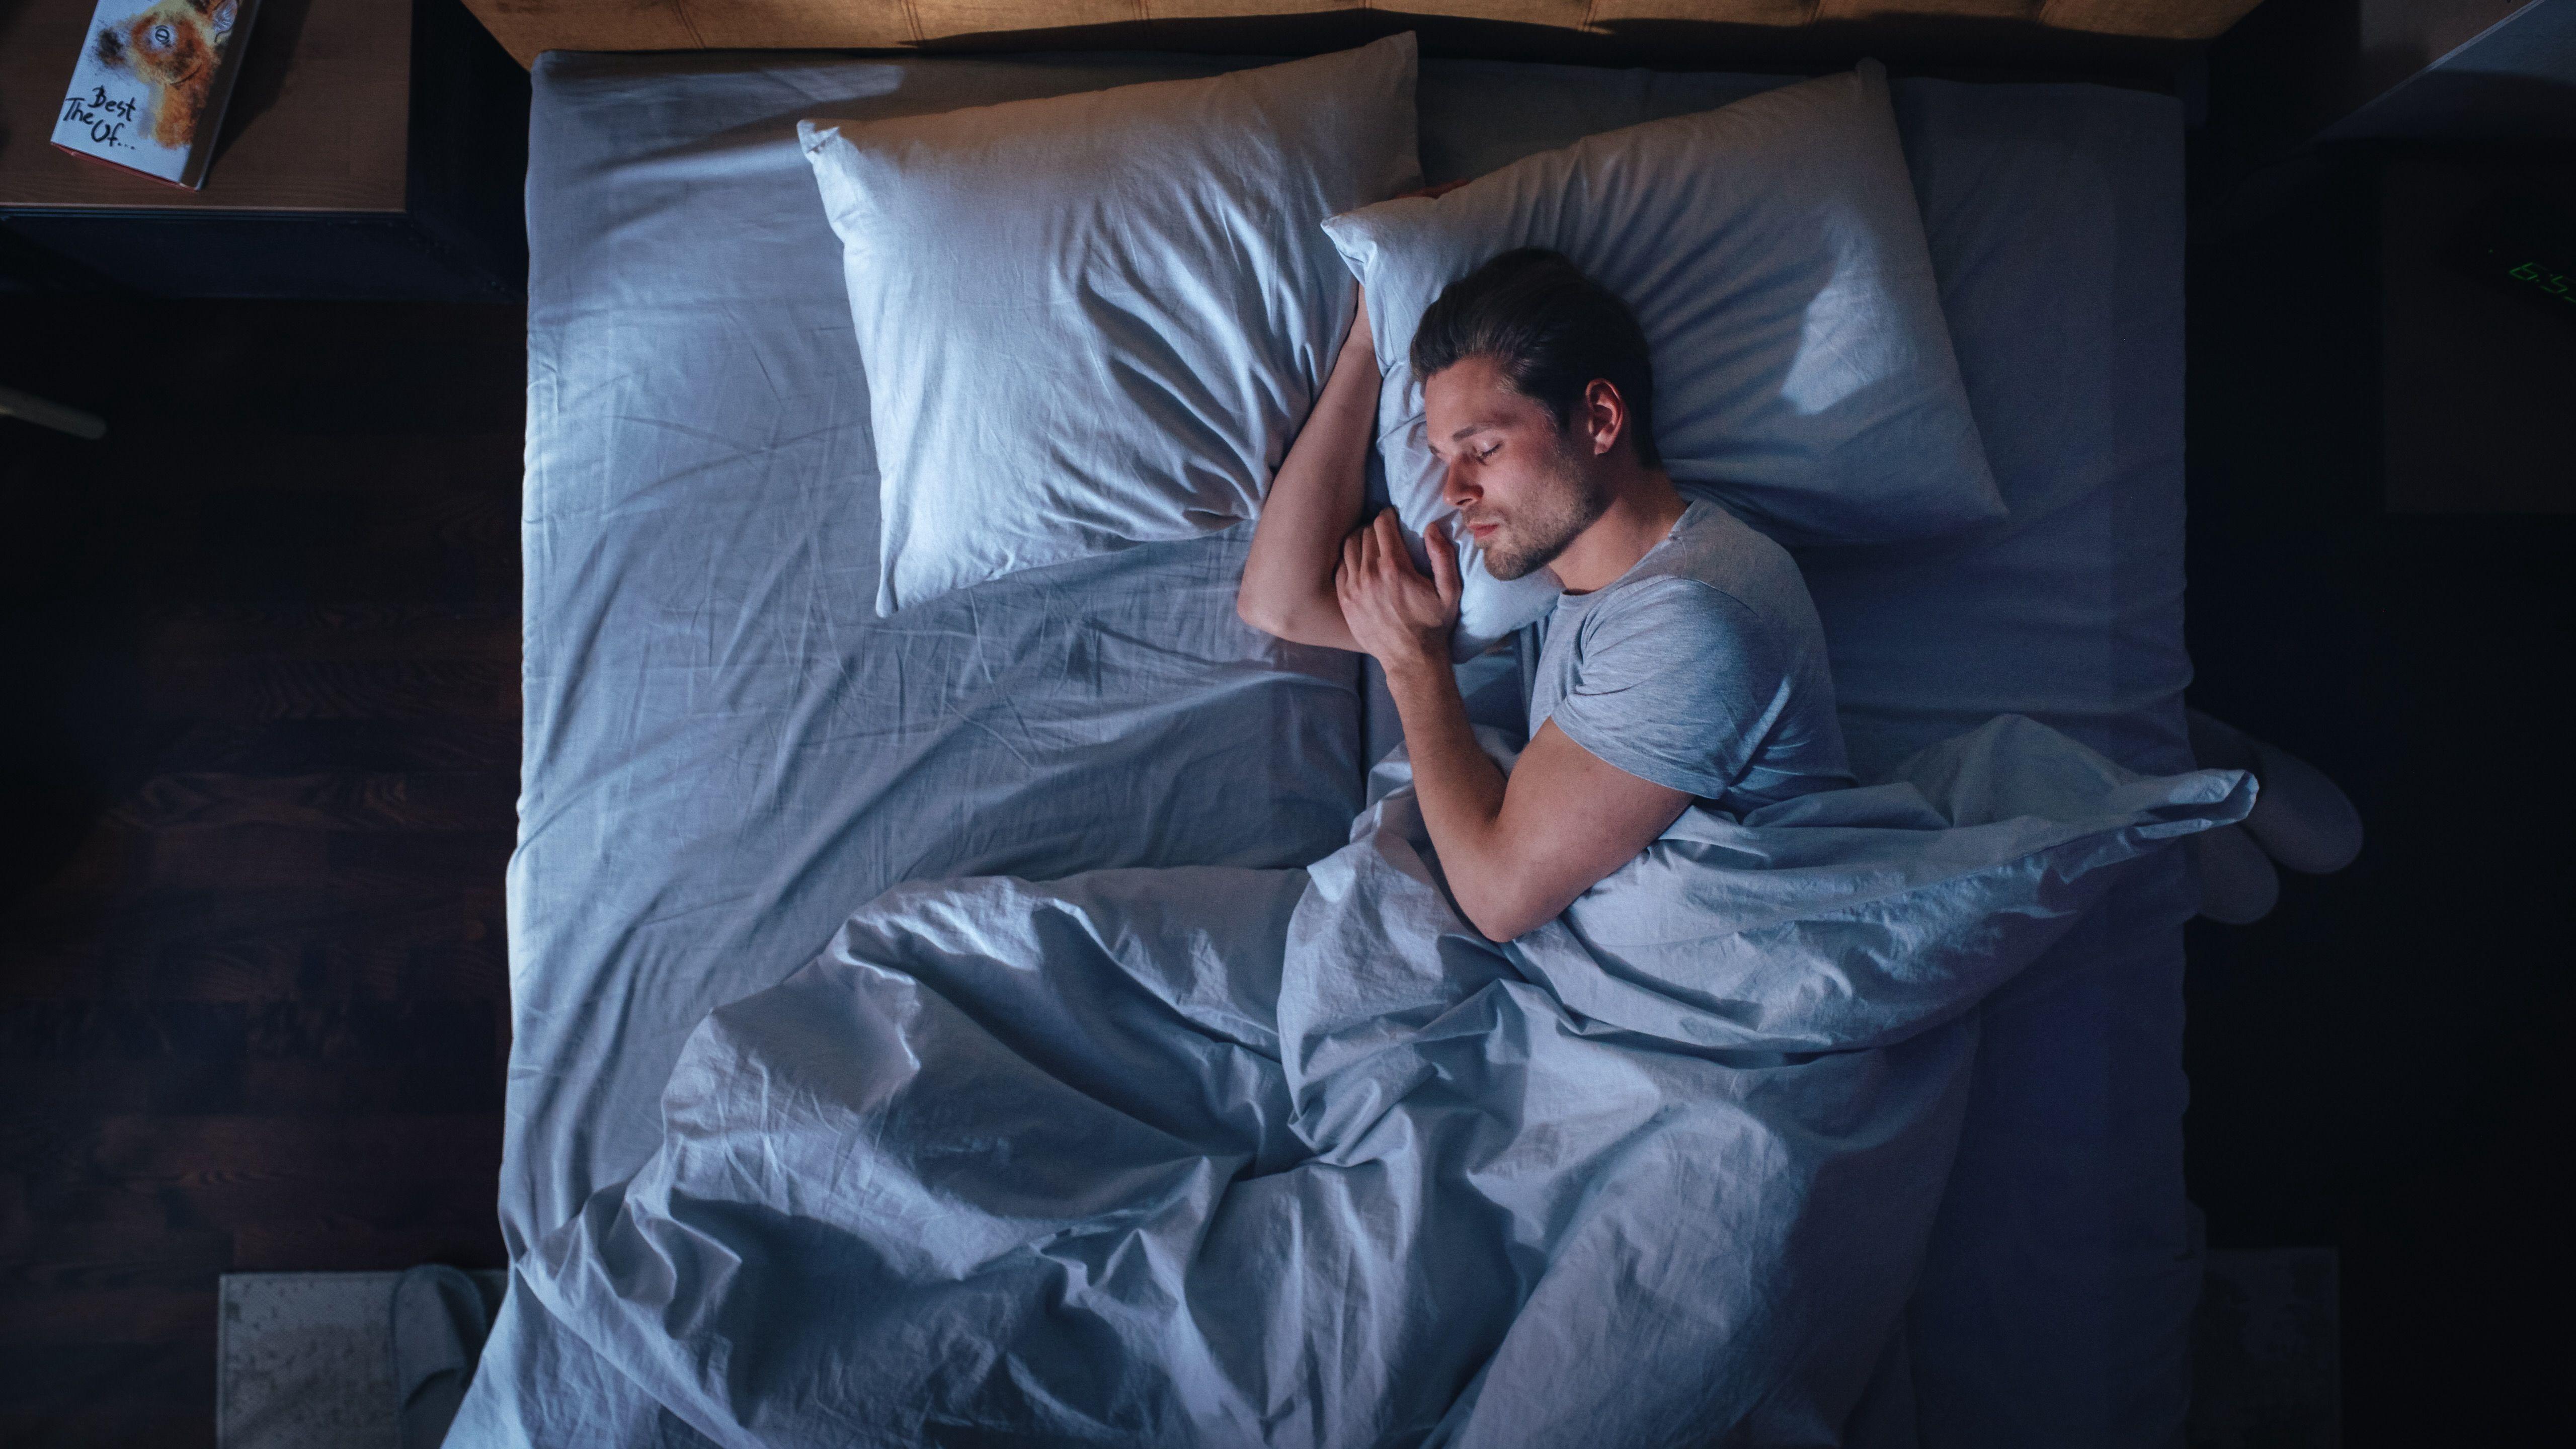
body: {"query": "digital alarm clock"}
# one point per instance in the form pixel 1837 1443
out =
pixel 2519 246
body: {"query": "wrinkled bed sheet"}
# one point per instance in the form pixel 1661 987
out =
pixel 726 753
pixel 1234 1157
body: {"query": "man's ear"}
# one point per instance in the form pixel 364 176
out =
pixel 1605 414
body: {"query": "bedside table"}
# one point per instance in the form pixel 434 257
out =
pixel 373 149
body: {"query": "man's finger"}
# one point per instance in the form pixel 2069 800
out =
pixel 1399 559
pixel 1368 549
pixel 1444 563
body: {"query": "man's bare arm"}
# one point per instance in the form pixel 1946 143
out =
pixel 1516 851
pixel 1314 503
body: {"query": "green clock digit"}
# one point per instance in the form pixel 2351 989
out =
pixel 2516 246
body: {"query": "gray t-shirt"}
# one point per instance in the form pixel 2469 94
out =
pixel 1702 668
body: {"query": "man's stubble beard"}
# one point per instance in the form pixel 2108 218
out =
pixel 1531 540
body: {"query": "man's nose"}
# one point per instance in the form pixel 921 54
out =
pixel 1455 490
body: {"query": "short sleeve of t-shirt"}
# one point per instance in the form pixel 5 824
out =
pixel 1675 681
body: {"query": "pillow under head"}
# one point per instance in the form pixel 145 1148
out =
pixel 1772 251
pixel 1096 320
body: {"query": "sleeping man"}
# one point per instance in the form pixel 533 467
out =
pixel 1683 661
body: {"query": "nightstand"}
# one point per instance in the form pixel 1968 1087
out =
pixel 373 149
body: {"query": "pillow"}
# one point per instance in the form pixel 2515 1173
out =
pixel 1095 320
pixel 1773 254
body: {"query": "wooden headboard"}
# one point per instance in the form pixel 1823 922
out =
pixel 1674 32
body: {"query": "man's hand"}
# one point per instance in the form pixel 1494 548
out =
pixel 1393 612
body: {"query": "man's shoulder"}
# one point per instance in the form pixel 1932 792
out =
pixel 1747 568
pixel 1719 585
pixel 1716 547
pixel 1673 612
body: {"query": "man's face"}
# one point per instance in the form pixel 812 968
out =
pixel 1523 485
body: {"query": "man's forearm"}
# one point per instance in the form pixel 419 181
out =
pixel 1461 790
pixel 1313 504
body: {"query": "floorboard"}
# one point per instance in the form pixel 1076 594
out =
pixel 253 988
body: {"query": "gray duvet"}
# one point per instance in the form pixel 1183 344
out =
pixel 1294 1157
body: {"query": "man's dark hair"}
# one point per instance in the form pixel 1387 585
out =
pixel 1551 330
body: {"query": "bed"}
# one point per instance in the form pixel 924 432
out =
pixel 726 749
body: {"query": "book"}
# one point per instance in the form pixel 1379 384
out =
pixel 148 93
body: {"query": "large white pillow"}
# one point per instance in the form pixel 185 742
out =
pixel 1097 319
pixel 1773 254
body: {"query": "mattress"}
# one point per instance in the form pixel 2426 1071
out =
pixel 726 750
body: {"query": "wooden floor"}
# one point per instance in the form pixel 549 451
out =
pixel 260 764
